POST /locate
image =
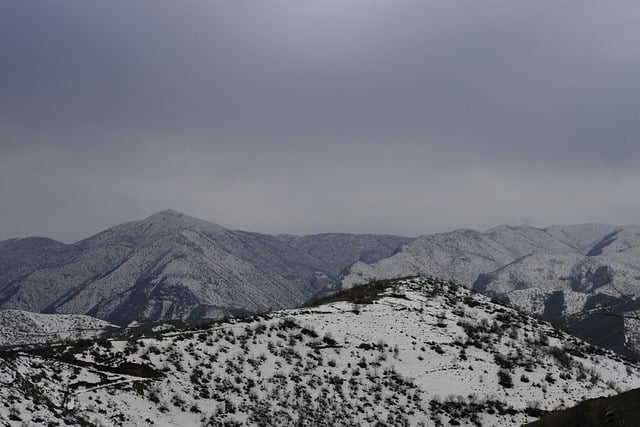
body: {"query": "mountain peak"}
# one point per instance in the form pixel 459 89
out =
pixel 170 219
pixel 171 212
pixel 165 214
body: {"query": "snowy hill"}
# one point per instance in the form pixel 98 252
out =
pixel 408 352
pixel 560 273
pixel 170 266
pixel 23 327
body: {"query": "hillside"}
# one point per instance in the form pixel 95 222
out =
pixel 172 266
pixel 398 353
pixel 22 327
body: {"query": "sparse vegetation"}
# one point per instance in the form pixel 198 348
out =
pixel 324 366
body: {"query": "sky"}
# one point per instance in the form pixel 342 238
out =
pixel 305 116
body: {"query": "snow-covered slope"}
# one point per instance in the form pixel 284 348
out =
pixel 168 266
pixel 560 272
pixel 411 352
pixel 23 327
pixel 581 280
pixel 460 255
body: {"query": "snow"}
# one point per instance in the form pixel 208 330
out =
pixel 463 254
pixel 421 350
pixel 21 327
pixel 172 266
pixel 525 265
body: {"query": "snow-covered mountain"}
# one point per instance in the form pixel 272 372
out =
pixel 172 266
pixel 561 273
pixel 407 352
pixel 23 327
pixel 463 255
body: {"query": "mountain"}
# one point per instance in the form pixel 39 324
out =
pixel 406 352
pixel 562 273
pixel 23 327
pixel 462 255
pixel 172 266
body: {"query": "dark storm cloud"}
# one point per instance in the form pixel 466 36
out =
pixel 308 116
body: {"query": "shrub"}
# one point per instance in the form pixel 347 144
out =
pixel 504 378
pixel 549 378
pixel 561 356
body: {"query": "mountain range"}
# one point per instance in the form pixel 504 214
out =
pixel 172 266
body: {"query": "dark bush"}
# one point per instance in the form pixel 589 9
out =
pixel 504 378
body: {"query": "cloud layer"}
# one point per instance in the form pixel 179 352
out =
pixel 303 116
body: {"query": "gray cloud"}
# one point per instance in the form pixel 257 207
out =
pixel 286 116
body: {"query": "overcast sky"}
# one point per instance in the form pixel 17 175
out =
pixel 305 116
